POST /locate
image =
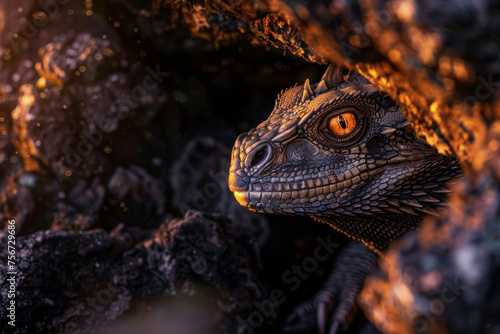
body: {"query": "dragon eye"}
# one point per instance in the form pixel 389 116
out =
pixel 342 124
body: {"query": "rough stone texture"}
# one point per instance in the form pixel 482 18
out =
pixel 210 190
pixel 66 109
pixel 438 60
pixel 70 280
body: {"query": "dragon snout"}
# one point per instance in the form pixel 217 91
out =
pixel 246 156
pixel 238 184
pixel 238 181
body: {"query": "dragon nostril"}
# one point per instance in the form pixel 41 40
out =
pixel 262 154
pixel 258 156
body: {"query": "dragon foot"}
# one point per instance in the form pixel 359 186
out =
pixel 333 308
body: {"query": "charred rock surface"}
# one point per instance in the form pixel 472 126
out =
pixel 87 151
pixel 72 280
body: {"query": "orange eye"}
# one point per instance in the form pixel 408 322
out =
pixel 343 124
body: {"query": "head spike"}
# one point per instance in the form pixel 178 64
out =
pixel 307 87
pixel 306 94
pixel 321 87
pixel 304 97
pixel 333 75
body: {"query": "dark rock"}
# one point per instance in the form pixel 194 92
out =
pixel 72 280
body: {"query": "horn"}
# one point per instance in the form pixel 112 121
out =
pixel 321 87
pixel 333 75
pixel 306 94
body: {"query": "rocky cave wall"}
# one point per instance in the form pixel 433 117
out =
pixel 78 78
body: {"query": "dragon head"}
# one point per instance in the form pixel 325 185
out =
pixel 342 152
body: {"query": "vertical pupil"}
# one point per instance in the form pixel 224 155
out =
pixel 342 122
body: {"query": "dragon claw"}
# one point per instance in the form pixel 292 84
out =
pixel 322 317
pixel 299 321
pixel 334 327
pixel 331 310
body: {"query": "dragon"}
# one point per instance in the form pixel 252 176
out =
pixel 342 152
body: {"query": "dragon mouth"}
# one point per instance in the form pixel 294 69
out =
pixel 290 201
pixel 299 197
pixel 281 194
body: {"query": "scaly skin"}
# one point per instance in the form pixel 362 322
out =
pixel 373 184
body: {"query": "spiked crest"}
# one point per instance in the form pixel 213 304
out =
pixel 332 78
